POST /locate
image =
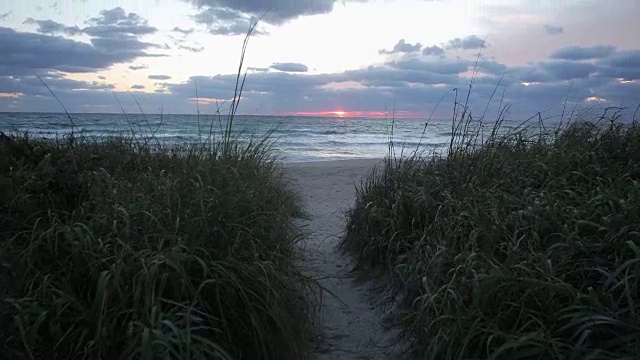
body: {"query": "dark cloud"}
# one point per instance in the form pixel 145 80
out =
pixel 446 67
pixel 402 47
pixel 553 29
pixel 492 67
pixel 277 11
pixel 159 77
pixel 532 74
pixel 433 50
pixel 226 21
pixel 400 76
pixel 114 38
pixel 622 65
pixel 102 77
pixel 52 27
pixel 182 31
pixel 555 71
pixel 625 59
pixel 413 84
pixel 5 15
pixel 583 53
pixel 624 93
pixel 137 87
pixel 111 23
pixel 569 70
pixel 290 67
pixel 116 22
pixel 138 67
pixel 117 16
pixel 122 45
pixel 468 43
pixel 31 85
pixel 27 52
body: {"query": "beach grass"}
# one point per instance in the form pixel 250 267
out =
pixel 519 245
pixel 113 249
pixel 125 248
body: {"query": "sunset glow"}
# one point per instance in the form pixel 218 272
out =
pixel 159 56
pixel 357 114
pixel 9 95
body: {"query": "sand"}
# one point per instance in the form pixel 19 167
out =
pixel 350 316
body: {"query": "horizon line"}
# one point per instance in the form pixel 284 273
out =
pixel 324 114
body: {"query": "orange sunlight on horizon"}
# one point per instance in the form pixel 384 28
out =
pixel 354 114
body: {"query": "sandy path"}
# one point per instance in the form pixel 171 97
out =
pixel 351 321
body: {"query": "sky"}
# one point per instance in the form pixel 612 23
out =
pixel 408 58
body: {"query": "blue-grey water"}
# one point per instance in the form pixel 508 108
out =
pixel 297 139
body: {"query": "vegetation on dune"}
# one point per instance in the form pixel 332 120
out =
pixel 526 247
pixel 121 249
pixel 109 250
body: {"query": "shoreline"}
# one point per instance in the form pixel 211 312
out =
pixel 333 163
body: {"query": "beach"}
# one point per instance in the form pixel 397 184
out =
pixel 349 316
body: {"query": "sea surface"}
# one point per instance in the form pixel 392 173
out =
pixel 296 139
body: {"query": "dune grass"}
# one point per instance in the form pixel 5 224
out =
pixel 524 245
pixel 123 248
pixel 110 249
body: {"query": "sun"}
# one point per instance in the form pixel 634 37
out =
pixel 339 113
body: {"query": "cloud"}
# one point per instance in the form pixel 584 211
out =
pixel 447 67
pixel 277 11
pixel 195 49
pixel 5 15
pixel 31 85
pixel 114 38
pixel 433 50
pixel 116 22
pixel 621 65
pixel 569 70
pixel 122 45
pixel 137 87
pixel 553 29
pixel 402 47
pixel 413 84
pixel 138 67
pixel 27 52
pixel 52 27
pixel 226 21
pixel 290 67
pixel 182 31
pixel 110 23
pixel 417 84
pixel 625 59
pixel 468 43
pixel 583 53
pixel 492 67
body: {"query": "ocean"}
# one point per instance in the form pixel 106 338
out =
pixel 296 139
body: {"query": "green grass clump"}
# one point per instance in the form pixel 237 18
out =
pixel 112 250
pixel 527 247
